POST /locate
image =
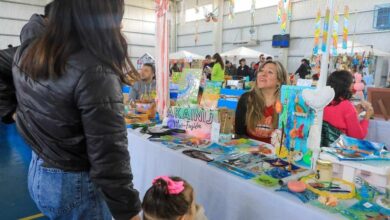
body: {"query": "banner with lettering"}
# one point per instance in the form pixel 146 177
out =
pixel 196 121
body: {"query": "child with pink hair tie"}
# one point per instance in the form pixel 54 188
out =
pixel 171 198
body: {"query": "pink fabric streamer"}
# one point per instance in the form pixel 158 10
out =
pixel 174 188
pixel 162 62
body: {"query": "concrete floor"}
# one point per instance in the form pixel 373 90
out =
pixel 15 155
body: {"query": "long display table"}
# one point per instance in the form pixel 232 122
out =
pixel 224 196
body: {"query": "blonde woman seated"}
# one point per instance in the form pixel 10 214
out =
pixel 255 115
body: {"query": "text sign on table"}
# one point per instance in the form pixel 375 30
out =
pixel 196 121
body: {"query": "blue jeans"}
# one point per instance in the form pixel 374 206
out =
pixel 65 195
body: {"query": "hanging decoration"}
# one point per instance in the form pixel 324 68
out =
pixel 325 30
pixel 196 33
pixel 231 9
pixel 252 30
pixel 317 32
pixel 345 28
pixel 289 10
pixel 284 12
pixel 162 67
pixel 335 34
pixel 210 16
pixel 279 13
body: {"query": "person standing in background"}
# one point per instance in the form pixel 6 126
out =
pixel 260 63
pixel 208 66
pixel 269 58
pixel 70 112
pixel 230 69
pixel 146 87
pixel 243 70
pixel 304 69
pixel 218 72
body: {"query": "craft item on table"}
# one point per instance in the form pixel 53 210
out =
pixel 226 118
pixel 211 95
pixel 266 180
pixel 196 154
pixel 241 143
pixel 196 121
pixel 137 119
pixel 317 100
pixel 384 200
pixel 296 186
pixel 304 196
pixel 328 200
pixel 188 83
pixel 363 210
pixel 296 118
pixel 324 171
pixel 325 30
pixel 185 139
pixel 345 28
pixel 215 148
pixel 175 146
pixel 264 149
pixel 338 188
pixel 331 209
pixel 365 190
pixel 358 86
pixel 241 164
pixel 283 170
pixel 317 32
pixel 347 148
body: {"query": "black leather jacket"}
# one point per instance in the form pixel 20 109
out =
pixel 76 123
pixel 7 89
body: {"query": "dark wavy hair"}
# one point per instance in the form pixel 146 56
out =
pixel 74 25
pixel 218 59
pixel 341 82
pixel 157 204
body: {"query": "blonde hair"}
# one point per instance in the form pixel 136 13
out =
pixel 256 101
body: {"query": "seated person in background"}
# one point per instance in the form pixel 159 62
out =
pixel 341 113
pixel 146 86
pixel 171 198
pixel 256 116
pixel 230 69
pixel 243 70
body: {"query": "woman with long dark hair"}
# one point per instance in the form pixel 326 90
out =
pixel 341 113
pixel 218 72
pixel 70 111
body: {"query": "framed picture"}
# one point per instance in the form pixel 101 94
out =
pixel 380 100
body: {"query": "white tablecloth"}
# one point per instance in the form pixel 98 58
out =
pixel 379 131
pixel 224 196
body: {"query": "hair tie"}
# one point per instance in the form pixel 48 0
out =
pixel 174 187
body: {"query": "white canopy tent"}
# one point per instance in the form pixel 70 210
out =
pixel 185 55
pixel 243 52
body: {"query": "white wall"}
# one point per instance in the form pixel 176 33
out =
pixel 138 23
pixel 13 15
pixel 302 28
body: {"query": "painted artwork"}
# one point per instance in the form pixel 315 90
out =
pixel 347 148
pixel 211 95
pixel 188 81
pixel 196 121
pixel 146 58
pixel 296 118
